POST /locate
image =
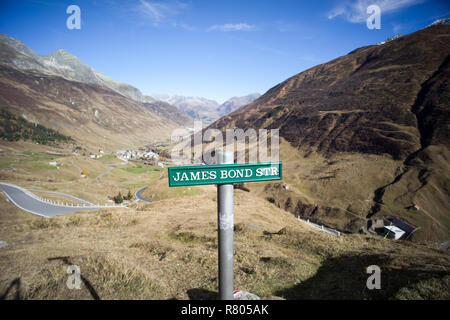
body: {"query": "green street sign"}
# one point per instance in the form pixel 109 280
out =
pixel 224 173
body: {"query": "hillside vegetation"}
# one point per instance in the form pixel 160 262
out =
pixel 365 135
pixel 14 128
pixel 168 250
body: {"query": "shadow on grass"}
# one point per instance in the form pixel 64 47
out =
pixel 86 282
pixel 202 294
pixel 345 277
pixel 14 283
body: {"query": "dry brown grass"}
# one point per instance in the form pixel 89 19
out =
pixel 168 249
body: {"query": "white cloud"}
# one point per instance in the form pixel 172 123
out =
pixel 397 27
pixel 159 12
pixel 233 27
pixel 187 27
pixel 355 11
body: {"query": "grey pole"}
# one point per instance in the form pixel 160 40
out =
pixel 225 220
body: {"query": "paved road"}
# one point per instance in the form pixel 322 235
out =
pixel 25 200
pixel 63 195
pixel 139 196
pixel 110 166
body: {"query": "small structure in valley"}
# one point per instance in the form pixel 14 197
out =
pixel 407 228
pixel 392 232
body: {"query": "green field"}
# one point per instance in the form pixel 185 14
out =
pixel 106 158
pixel 37 156
pixel 141 170
pixel 43 166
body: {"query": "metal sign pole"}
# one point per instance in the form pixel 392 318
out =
pixel 224 174
pixel 225 220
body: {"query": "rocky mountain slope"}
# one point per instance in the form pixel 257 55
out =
pixel 386 106
pixel 235 103
pixel 196 107
pixel 169 111
pixel 60 92
pixel 16 54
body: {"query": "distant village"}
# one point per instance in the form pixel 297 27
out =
pixel 137 154
pixel 152 155
pixel 147 154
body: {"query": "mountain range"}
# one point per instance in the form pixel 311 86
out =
pixel 61 63
pixel 205 109
pixel 235 103
pixel 60 92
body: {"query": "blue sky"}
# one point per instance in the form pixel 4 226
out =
pixel 210 48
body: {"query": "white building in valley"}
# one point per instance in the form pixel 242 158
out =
pixel 392 232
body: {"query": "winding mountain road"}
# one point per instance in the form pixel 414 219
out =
pixel 68 196
pixel 139 197
pixel 27 201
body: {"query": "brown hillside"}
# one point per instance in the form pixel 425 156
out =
pixel 90 113
pixel 389 100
